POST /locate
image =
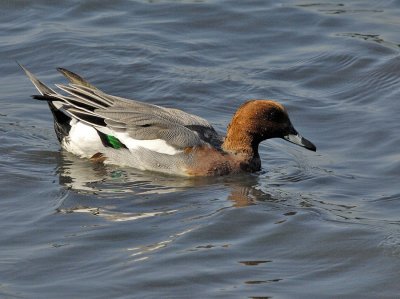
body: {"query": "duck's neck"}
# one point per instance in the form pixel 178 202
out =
pixel 240 143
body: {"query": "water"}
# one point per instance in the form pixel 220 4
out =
pixel 311 225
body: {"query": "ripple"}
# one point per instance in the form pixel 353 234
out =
pixel 262 281
pixel 391 244
pixel 375 38
pixel 113 215
pixel 254 263
pixel 338 8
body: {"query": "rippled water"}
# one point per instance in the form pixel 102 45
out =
pixel 310 225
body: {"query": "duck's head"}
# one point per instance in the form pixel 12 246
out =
pixel 258 120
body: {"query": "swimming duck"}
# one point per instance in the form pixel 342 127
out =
pixel 110 129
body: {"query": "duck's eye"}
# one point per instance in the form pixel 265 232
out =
pixel 275 116
pixel 271 115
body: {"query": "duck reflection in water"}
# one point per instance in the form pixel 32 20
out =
pixel 88 177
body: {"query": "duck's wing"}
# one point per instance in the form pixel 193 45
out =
pixel 128 118
pixel 143 121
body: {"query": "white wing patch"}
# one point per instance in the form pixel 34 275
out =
pixel 155 145
pixel 82 140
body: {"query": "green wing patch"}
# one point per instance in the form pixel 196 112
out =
pixel 110 141
pixel 114 142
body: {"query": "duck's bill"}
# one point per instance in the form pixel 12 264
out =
pixel 301 141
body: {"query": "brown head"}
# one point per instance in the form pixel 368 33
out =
pixel 256 121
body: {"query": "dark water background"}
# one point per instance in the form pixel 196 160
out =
pixel 311 225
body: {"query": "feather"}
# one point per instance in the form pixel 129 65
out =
pixel 43 89
pixel 74 78
pixel 136 120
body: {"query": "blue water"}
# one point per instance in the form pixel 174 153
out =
pixel 310 225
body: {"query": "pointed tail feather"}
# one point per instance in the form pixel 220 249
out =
pixel 46 98
pixel 61 120
pixel 43 89
pixel 75 79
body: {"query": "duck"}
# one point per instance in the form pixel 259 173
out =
pixel 114 130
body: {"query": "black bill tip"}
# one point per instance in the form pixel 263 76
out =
pixel 301 141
